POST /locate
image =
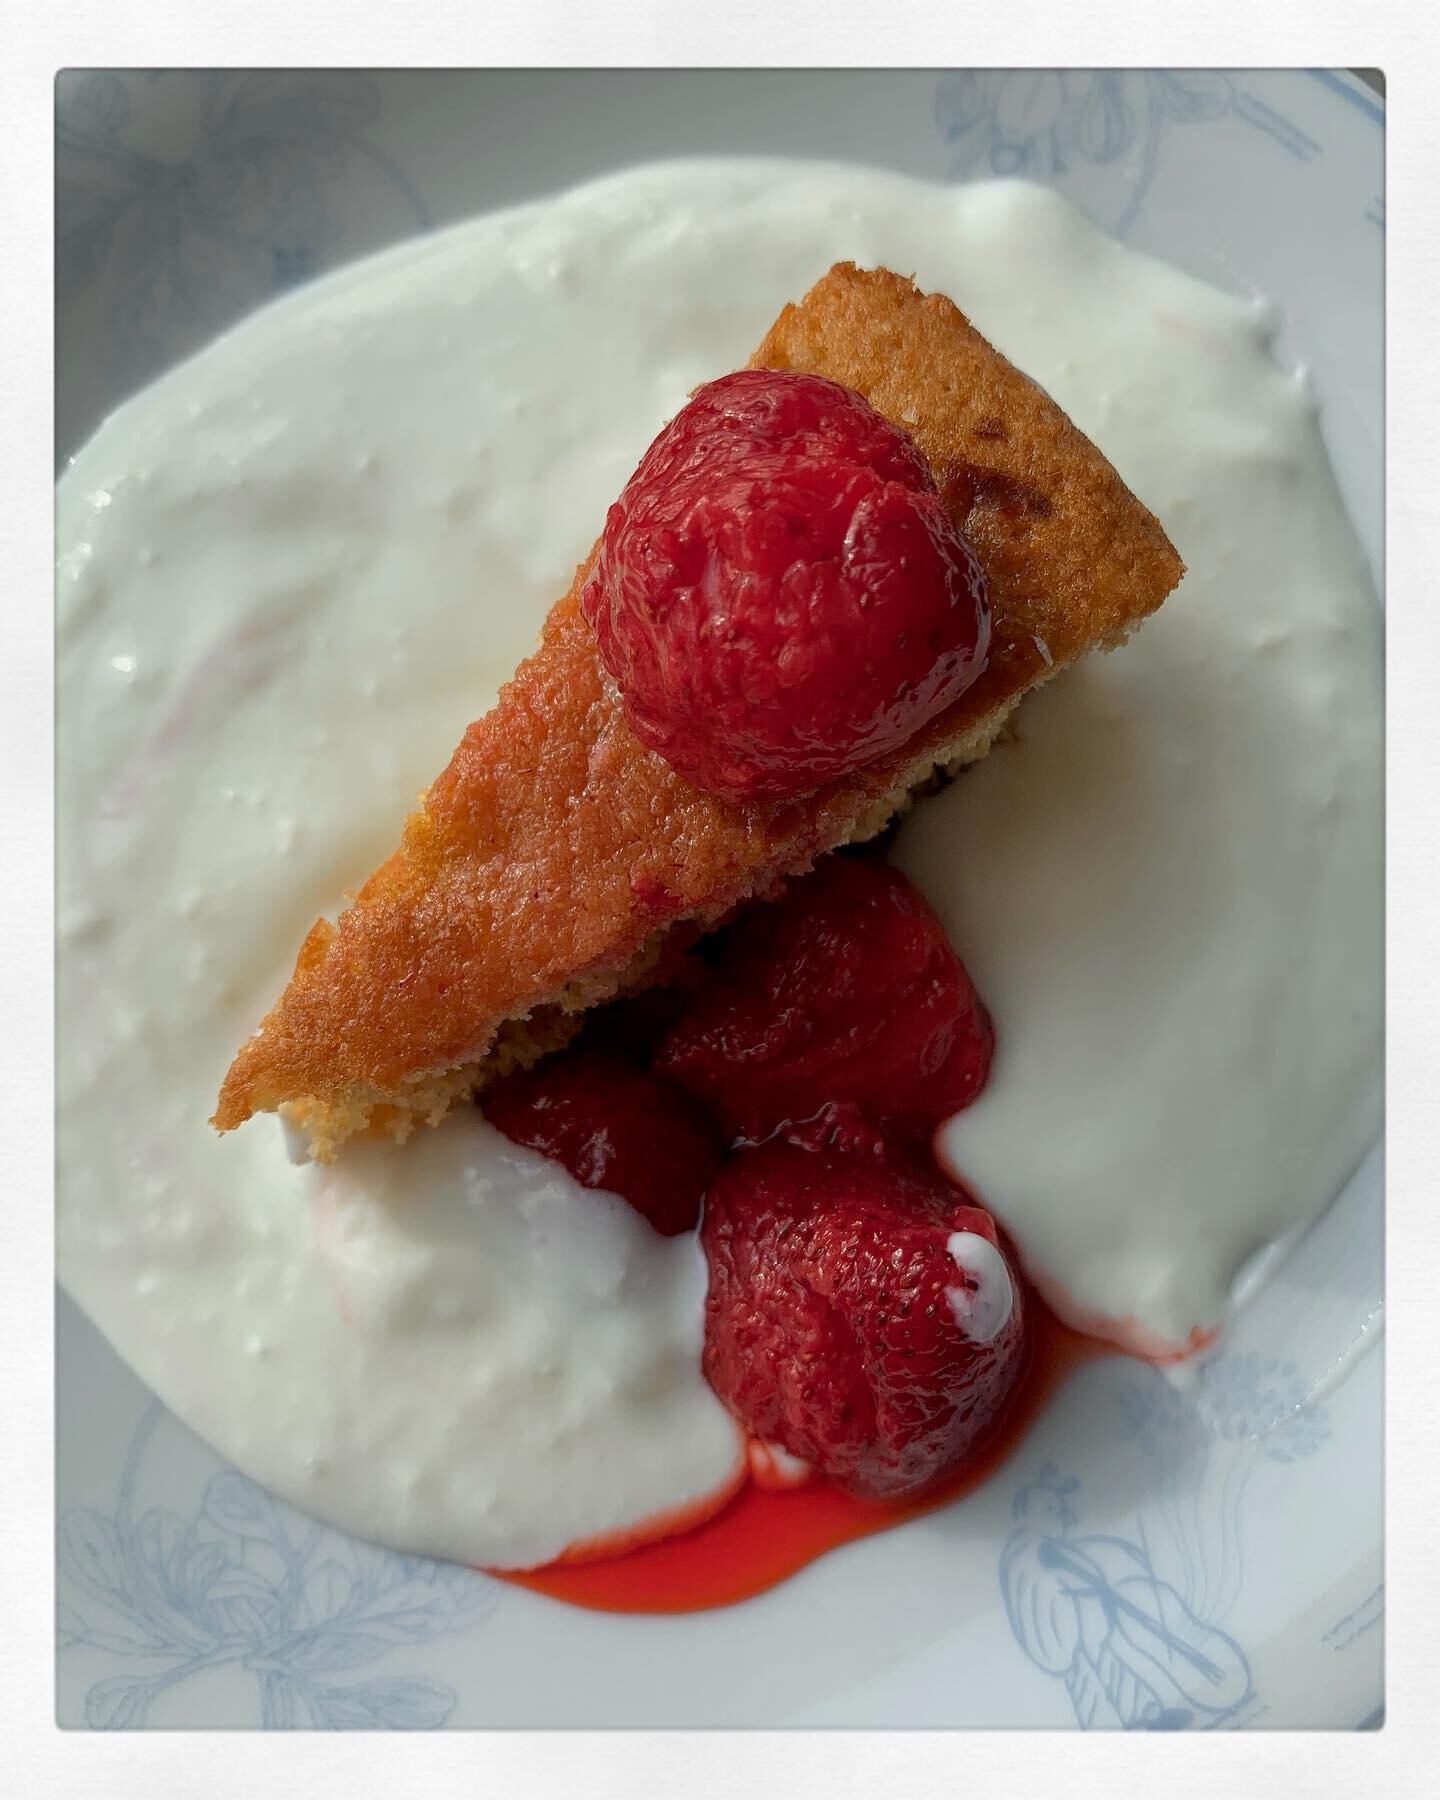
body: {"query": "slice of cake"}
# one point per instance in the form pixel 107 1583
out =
pixel 558 862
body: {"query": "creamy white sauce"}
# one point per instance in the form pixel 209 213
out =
pixel 981 1306
pixel 1169 889
pixel 773 1466
pixel 296 567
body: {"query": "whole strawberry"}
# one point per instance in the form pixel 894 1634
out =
pixel 860 1314
pixel 781 594
pixel 845 990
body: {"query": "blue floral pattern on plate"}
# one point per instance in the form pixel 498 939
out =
pixel 1093 1610
pixel 1132 1625
pixel 248 1581
pixel 1035 122
pixel 188 243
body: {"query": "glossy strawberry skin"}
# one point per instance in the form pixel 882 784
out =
pixel 781 595
pixel 613 1126
pixel 844 991
pixel 830 1327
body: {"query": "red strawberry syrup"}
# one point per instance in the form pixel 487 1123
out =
pixel 762 1535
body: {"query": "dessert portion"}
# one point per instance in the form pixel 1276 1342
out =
pixel 289 568
pixel 782 600
pixel 558 858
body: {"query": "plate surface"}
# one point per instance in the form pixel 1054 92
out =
pixel 1153 1556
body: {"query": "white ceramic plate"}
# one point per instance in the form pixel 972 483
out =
pixel 1152 1556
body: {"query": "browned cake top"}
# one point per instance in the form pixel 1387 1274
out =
pixel 554 843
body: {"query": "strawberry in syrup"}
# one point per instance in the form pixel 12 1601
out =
pixel 861 1314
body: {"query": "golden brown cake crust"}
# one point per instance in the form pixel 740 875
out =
pixel 550 859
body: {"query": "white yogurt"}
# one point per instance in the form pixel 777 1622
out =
pixel 982 1305
pixel 290 573
pixel 1169 890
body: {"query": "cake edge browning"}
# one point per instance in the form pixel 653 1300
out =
pixel 1029 489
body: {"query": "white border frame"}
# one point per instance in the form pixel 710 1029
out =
pixel 579 33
